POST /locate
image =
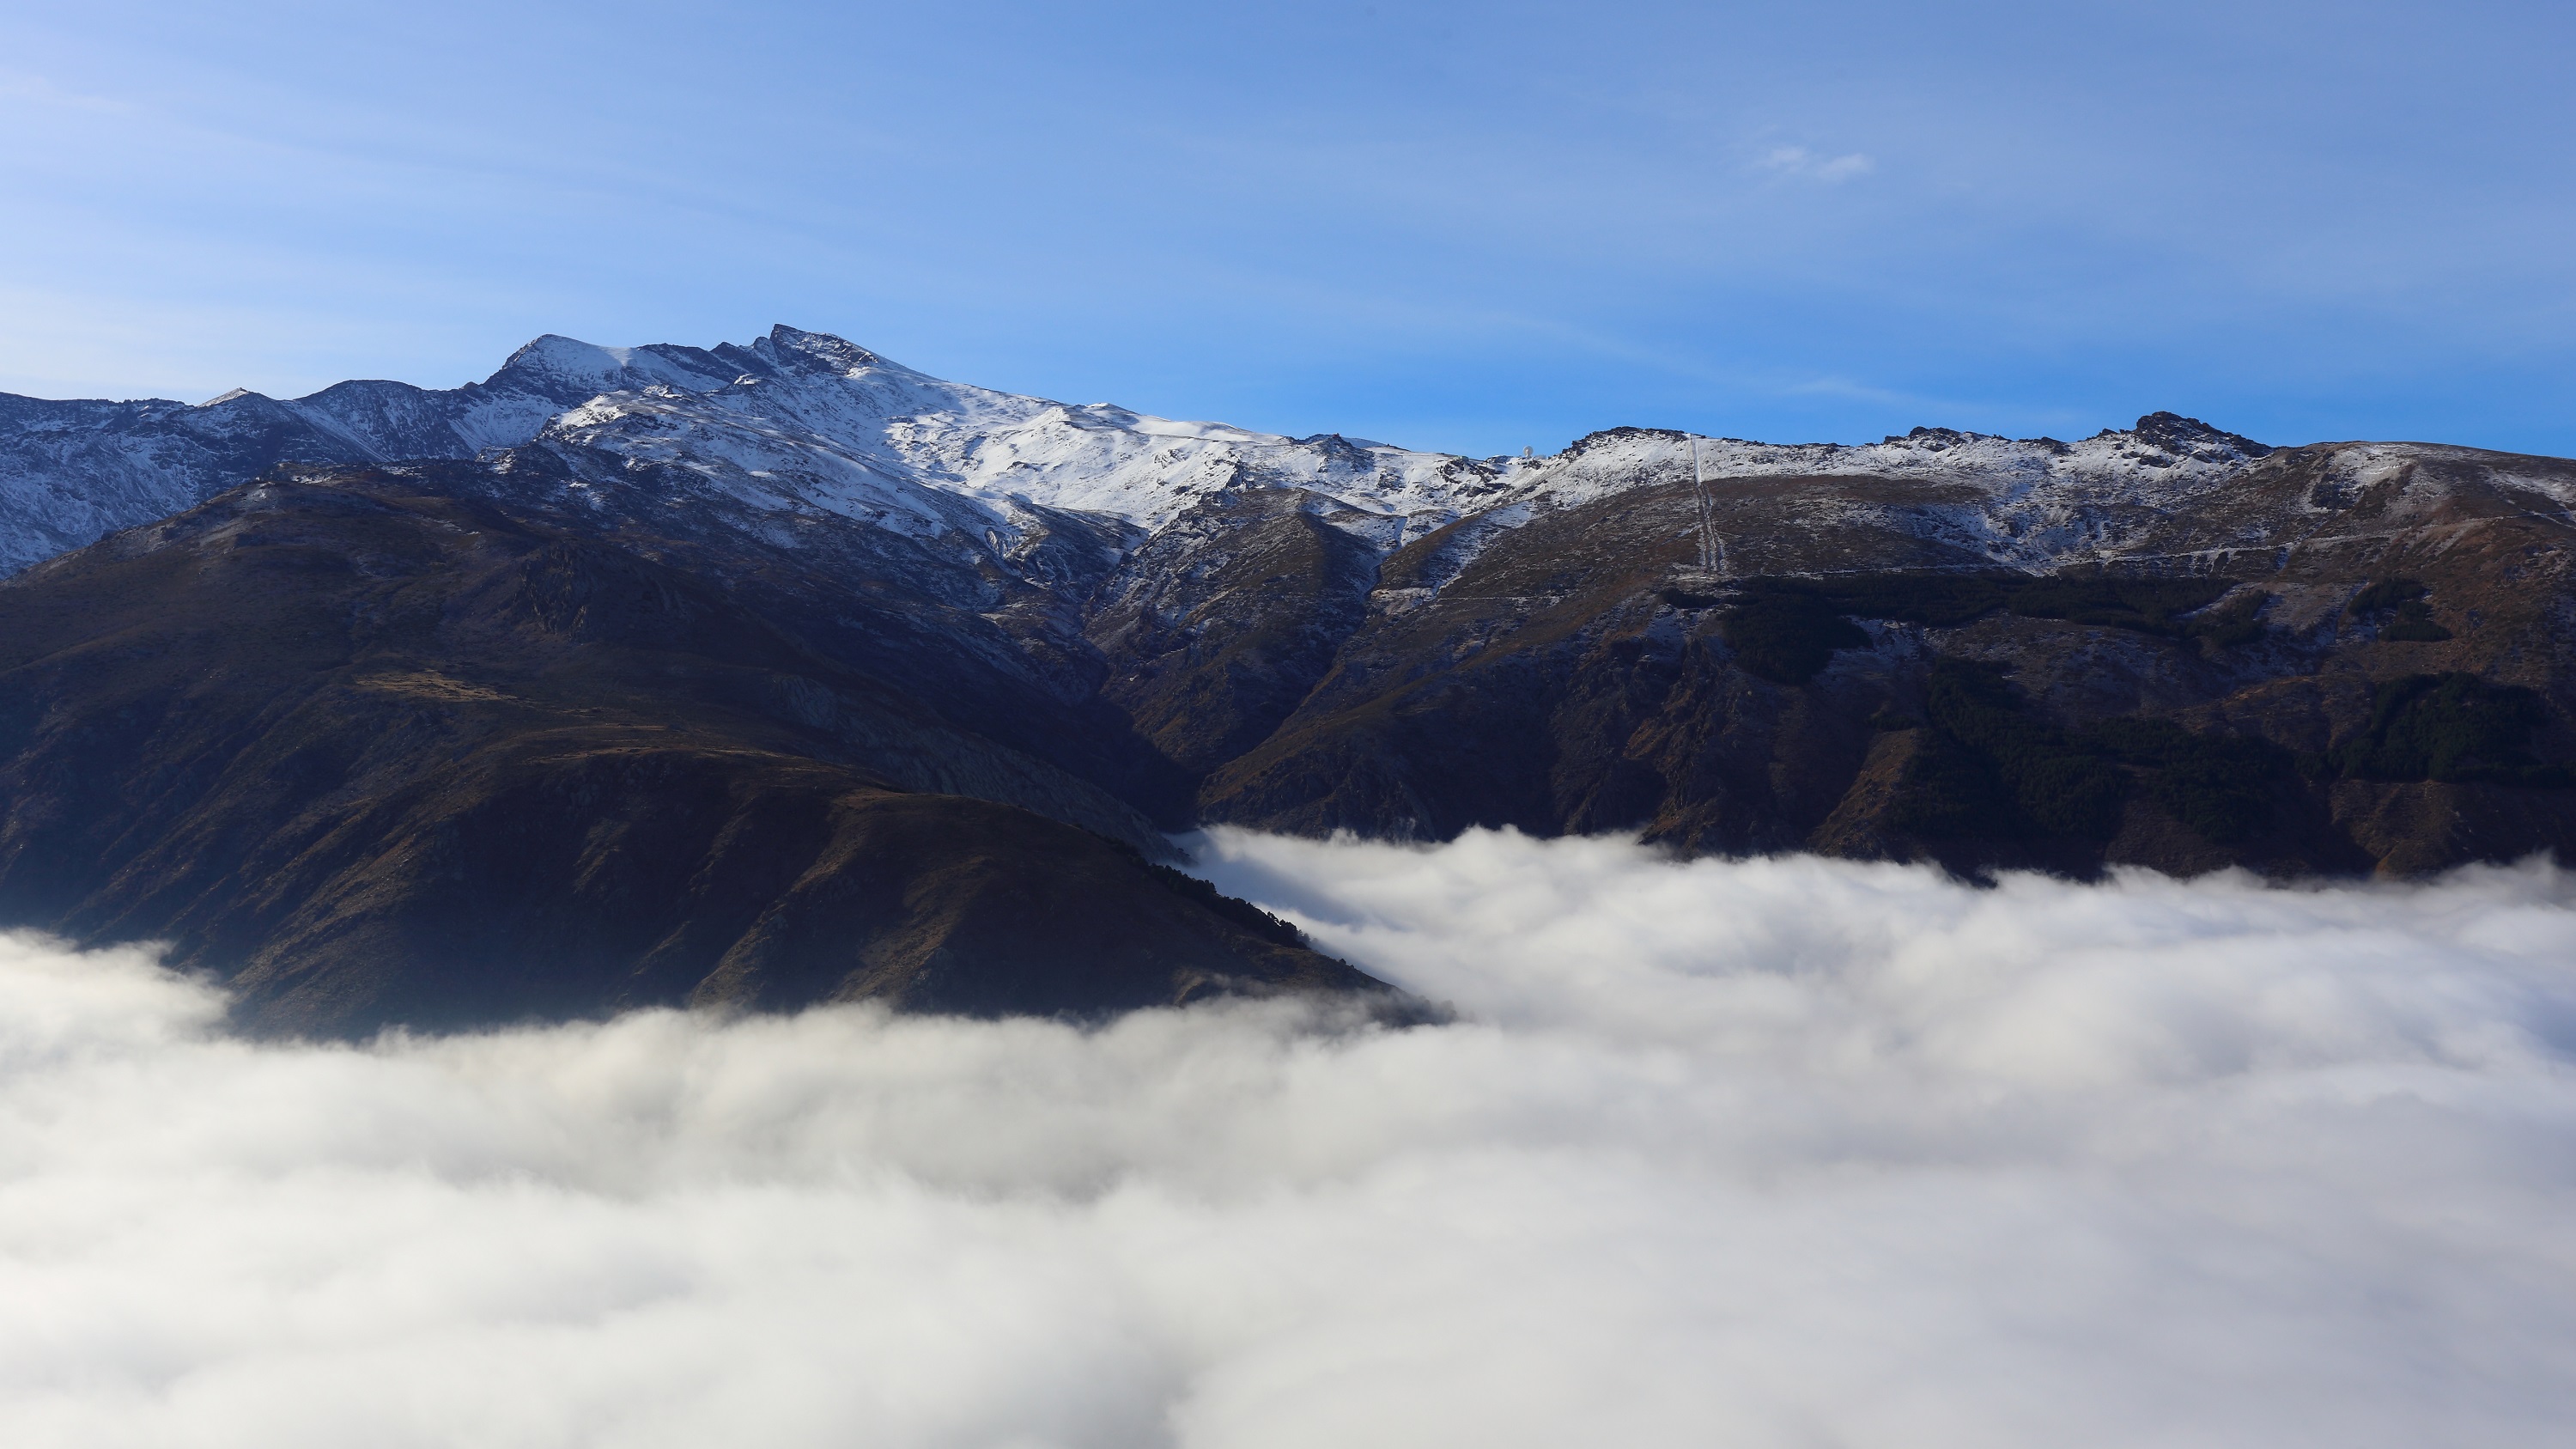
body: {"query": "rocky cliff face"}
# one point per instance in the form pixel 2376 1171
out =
pixel 745 668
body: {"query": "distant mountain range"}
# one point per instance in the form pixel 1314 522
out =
pixel 781 672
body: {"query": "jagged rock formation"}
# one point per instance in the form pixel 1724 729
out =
pixel 738 666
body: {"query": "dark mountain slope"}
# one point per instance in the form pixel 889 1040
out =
pixel 1220 624
pixel 1549 686
pixel 379 753
pixel 990 628
pixel 2215 693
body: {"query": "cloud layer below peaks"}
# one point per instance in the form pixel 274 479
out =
pixel 1780 1152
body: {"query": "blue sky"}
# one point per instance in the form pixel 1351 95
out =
pixel 1462 227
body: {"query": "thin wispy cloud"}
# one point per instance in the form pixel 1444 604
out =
pixel 1799 161
pixel 1759 1153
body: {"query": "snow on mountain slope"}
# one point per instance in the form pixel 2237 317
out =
pixel 802 421
pixel 390 420
pixel 836 426
pixel 794 420
pixel 71 472
pixel 2026 503
pixel 817 422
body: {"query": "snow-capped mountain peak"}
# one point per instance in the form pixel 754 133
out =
pixel 797 420
pixel 566 367
pixel 830 424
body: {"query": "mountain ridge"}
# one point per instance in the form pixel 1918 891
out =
pixel 840 642
pixel 841 427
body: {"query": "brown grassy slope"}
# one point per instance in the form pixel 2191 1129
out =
pixel 384 756
pixel 1569 678
pixel 1548 687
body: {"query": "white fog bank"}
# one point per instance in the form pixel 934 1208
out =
pixel 1777 1153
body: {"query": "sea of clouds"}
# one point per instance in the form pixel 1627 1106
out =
pixel 1771 1153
